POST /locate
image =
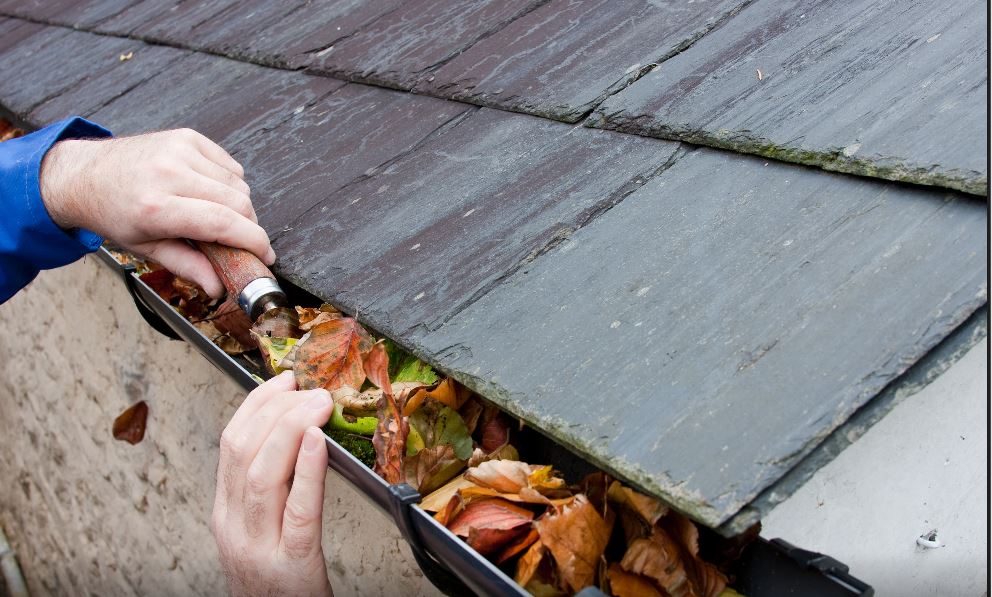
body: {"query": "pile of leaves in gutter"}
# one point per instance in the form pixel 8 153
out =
pixel 413 426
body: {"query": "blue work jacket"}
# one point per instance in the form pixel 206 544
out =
pixel 29 240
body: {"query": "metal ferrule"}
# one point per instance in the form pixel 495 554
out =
pixel 257 294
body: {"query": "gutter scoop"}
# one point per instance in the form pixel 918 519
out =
pixel 246 278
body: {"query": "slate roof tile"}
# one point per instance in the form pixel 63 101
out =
pixel 562 59
pixel 331 143
pixel 889 90
pixel 707 332
pixel 460 214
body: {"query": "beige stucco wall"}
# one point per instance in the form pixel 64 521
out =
pixel 91 515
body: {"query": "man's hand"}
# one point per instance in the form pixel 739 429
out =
pixel 149 192
pixel 270 492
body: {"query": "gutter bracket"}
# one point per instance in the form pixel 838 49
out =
pixel 402 497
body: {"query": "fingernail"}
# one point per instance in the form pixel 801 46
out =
pixel 270 257
pixel 320 400
pixel 286 374
pixel 312 439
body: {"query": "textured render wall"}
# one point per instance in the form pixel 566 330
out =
pixel 91 515
pixel 922 467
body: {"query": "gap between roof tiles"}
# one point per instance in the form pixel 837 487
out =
pixel 823 161
pixel 620 85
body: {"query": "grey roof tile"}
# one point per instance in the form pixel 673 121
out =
pixel 894 90
pixel 704 334
pixel 562 59
pixel 331 143
pixel 419 239
pixel 223 99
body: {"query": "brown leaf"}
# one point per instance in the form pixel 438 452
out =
pixel 647 508
pixel 517 546
pixel 160 281
pixel 447 392
pixel 626 584
pixel 280 322
pixel 432 467
pixel 310 316
pixel 705 578
pixel 536 574
pixel 658 557
pixel 504 452
pixel 376 365
pixel 439 498
pixel 490 524
pixel 332 355
pixel 494 429
pixel 129 426
pixel 229 319
pixel 389 440
pixel 576 535
pixel 513 476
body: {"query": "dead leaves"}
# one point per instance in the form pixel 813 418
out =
pixel 576 536
pixel 333 355
pixel 488 525
pixel 129 426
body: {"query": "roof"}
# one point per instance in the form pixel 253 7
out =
pixel 697 243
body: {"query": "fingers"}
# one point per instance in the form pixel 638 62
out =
pixel 184 217
pixel 233 464
pixel 215 153
pixel 200 186
pixel 301 522
pixel 185 262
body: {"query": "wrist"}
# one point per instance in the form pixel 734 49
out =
pixel 63 182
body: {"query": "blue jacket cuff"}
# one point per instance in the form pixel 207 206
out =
pixel 53 246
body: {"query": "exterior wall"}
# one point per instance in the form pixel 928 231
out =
pixel 924 466
pixel 89 515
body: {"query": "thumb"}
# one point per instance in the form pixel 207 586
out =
pixel 301 524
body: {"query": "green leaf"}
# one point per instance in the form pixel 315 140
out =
pixel 437 424
pixel 405 367
pixel 361 426
pixel 275 350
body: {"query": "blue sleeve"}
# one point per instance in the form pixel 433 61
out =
pixel 29 240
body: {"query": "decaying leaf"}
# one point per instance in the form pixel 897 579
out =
pixel 229 319
pixel 626 584
pixel 280 322
pixel 518 545
pixel 376 365
pixel 436 424
pixel 332 356
pixel 432 467
pixel 447 392
pixel 309 317
pixel 576 535
pixel 390 440
pixel 647 509
pixel 512 476
pixel 274 350
pixel 535 572
pixel 489 525
pixel 129 426
pixel 439 498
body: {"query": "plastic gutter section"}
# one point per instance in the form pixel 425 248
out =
pixel 766 568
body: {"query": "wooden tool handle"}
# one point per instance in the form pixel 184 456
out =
pixel 236 267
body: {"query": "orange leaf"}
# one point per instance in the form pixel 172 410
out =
pixel 648 508
pixel 309 317
pixel 517 546
pixel 658 557
pixel 389 440
pixel 490 514
pixel 625 584
pixel 129 426
pixel 376 365
pixel 447 392
pixel 332 355
pixel 576 535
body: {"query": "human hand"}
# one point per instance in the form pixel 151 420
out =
pixel 149 192
pixel 268 528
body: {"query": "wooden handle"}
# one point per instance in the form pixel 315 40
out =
pixel 236 267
